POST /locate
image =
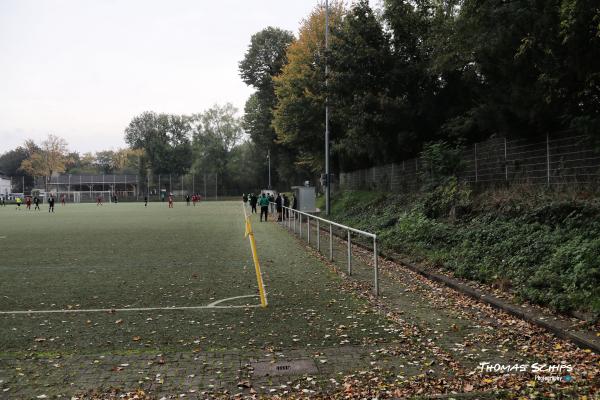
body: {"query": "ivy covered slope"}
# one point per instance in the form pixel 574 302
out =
pixel 544 247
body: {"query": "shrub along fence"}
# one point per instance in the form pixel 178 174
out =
pixel 555 160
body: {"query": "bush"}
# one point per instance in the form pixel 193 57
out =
pixel 547 252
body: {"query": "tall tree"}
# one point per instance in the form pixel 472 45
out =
pixel 48 158
pixel 300 89
pixel 539 63
pixel 217 131
pixel 264 59
pixel 10 162
pixel 104 161
pixel 165 140
pixel 363 109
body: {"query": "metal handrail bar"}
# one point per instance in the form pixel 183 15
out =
pixel 286 211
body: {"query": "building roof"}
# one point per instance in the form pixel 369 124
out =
pixel 96 179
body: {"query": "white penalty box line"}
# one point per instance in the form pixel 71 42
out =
pixel 213 305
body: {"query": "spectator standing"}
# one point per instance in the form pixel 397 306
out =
pixel 271 200
pixel 264 206
pixel 278 204
pixel 286 203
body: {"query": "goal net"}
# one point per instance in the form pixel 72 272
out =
pixel 84 196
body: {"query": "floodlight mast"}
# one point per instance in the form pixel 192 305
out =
pixel 269 159
pixel 327 174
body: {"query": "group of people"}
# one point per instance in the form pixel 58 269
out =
pixel 36 202
pixel 193 199
pixel 264 201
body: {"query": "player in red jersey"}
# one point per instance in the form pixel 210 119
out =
pixel 171 200
pixel 99 201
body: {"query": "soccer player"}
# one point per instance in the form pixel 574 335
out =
pixel 171 200
pixel 62 199
pixel 36 201
pixel 18 201
pixel 51 204
pixel 99 201
pixel 187 199
pixel 253 201
pixel 28 203
pixel 145 201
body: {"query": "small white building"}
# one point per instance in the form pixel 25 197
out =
pixel 5 186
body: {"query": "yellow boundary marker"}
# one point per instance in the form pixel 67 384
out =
pixel 259 280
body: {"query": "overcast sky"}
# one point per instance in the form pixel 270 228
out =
pixel 81 69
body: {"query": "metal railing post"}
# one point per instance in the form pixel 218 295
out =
pixel 299 215
pixel 375 267
pixel 330 242
pixel 318 236
pixel 349 254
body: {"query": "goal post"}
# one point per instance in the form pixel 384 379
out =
pixel 84 196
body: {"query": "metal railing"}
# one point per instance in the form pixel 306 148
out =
pixel 293 220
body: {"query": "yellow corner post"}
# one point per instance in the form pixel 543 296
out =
pixel 250 234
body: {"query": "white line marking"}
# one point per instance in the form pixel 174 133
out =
pixel 214 304
pixel 115 310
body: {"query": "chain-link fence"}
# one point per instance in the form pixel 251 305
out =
pixel 556 160
pixel 210 186
pixel 86 188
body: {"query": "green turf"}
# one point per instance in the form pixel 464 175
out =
pixel 125 255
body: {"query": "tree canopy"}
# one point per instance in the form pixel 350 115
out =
pixel 165 139
pixel 414 72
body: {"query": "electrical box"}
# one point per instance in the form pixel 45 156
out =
pixel 306 198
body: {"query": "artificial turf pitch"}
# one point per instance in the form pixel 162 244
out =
pixel 120 256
